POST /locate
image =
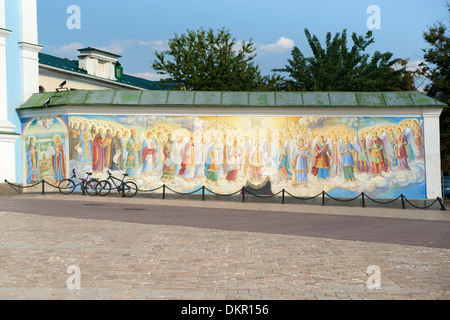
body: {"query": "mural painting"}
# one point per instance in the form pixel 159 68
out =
pixel 344 156
pixel 44 147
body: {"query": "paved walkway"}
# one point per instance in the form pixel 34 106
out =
pixel 131 260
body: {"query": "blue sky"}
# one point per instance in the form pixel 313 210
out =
pixel 136 28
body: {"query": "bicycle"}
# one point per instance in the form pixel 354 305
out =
pixel 67 186
pixel 126 188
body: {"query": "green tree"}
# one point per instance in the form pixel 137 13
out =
pixel 437 70
pixel 204 60
pixel 335 67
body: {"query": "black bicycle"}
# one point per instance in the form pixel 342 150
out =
pixel 126 188
pixel 67 186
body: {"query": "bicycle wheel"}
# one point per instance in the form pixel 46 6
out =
pixel 103 188
pixel 91 187
pixel 129 189
pixel 66 186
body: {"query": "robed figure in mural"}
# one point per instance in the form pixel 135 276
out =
pixel 300 163
pixel 108 148
pixel 234 160
pixel 148 153
pixel 283 168
pixel 400 151
pixel 255 160
pixel 116 147
pixel 58 160
pixel 348 152
pixel 187 168
pixel 212 162
pixel 362 164
pixel 321 167
pixel 33 174
pixel 74 143
pixel 85 144
pixel 99 151
pixel 168 166
pixel 212 166
pixel 134 153
pixel 375 149
pixel 418 139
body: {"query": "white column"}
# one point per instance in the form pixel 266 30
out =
pixel 3 89
pixel 432 144
pixel 29 48
pixel 3 85
pixel 7 134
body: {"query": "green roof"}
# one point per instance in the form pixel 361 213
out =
pixel 73 66
pixel 167 98
pixel 60 63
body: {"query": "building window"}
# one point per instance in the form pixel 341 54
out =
pixel 102 66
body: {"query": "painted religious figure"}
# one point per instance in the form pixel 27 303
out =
pixel 301 157
pixel 283 169
pixel 348 151
pixel 85 146
pixel 322 164
pixel 33 174
pixel 134 153
pixel 400 151
pixel 99 151
pixel 256 161
pixel 58 160
pixel 234 160
pixel 375 149
pixel 169 166
pixel 187 168
pixel 148 153
pixel 116 151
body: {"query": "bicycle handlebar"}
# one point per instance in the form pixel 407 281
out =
pixel 123 174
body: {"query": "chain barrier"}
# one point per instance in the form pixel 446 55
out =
pixel 245 191
pixel 382 202
pixel 182 193
pixel 342 200
pixel 223 195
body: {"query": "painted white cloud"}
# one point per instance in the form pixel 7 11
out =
pixel 283 44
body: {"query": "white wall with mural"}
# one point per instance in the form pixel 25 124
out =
pixel 344 156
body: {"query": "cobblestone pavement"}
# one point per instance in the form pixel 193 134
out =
pixel 120 260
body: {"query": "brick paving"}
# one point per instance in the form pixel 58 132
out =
pixel 122 260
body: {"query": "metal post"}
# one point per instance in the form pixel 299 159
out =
pixel 203 193
pixel 442 204
pixel 403 201
pixel 363 201
pixel 243 194
pixel 282 196
pixel 164 191
pixel 43 187
pixel 323 198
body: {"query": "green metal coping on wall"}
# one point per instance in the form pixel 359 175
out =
pixel 159 98
pixel 8 133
